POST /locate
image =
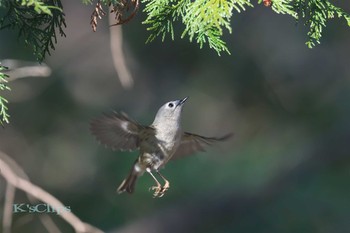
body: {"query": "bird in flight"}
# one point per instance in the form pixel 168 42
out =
pixel 158 143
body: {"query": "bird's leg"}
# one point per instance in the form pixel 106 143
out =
pixel 165 187
pixel 157 188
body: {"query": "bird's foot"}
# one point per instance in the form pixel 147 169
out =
pixel 157 190
pixel 164 189
pixel 162 192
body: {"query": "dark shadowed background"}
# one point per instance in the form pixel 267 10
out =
pixel 287 169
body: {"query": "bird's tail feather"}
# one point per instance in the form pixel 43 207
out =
pixel 128 183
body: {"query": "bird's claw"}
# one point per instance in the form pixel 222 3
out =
pixel 164 189
pixel 159 191
pixel 156 189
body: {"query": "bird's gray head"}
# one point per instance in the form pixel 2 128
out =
pixel 169 113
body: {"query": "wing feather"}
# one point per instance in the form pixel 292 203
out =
pixel 192 143
pixel 117 131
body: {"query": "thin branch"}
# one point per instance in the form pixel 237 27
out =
pixel 12 178
pixel 49 224
pixel 45 219
pixel 21 69
pixel 116 42
pixel 9 199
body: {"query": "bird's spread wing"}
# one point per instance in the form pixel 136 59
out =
pixel 192 143
pixel 117 131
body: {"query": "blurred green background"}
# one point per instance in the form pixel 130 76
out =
pixel 287 169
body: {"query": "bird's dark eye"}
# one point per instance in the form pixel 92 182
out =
pixel 170 105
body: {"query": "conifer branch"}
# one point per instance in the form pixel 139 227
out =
pixel 36 21
pixel 205 20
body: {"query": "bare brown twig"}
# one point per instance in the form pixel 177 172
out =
pixel 97 13
pixel 121 10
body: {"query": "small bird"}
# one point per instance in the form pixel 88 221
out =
pixel 158 143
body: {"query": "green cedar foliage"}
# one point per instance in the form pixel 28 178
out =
pixel 36 21
pixel 205 20
pixel 316 14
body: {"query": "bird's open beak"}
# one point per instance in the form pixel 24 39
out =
pixel 181 102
